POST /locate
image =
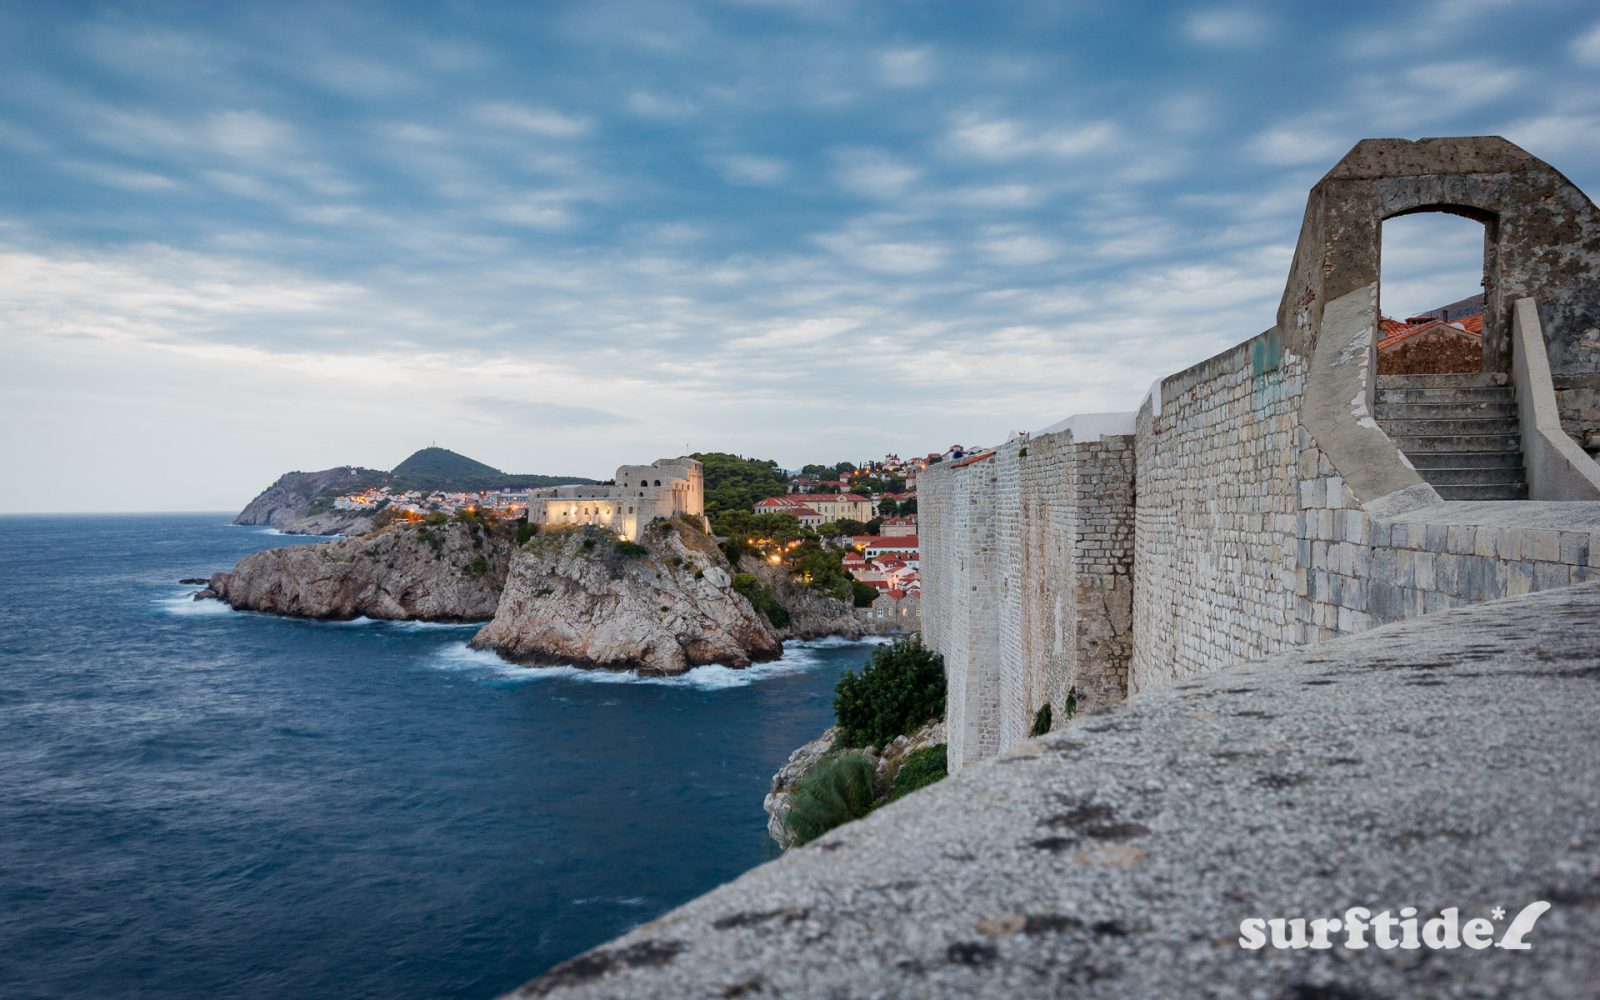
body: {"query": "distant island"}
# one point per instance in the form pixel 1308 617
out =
pixel 346 499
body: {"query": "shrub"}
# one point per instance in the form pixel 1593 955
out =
pixel 761 598
pixel 631 550
pixel 436 518
pixel 1072 703
pixel 1041 721
pixel 835 792
pixel 862 594
pixel 526 531
pixel 921 769
pixel 477 567
pixel 899 690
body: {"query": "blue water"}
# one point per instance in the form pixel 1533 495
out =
pixel 196 802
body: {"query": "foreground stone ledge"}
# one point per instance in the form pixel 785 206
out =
pixel 1443 761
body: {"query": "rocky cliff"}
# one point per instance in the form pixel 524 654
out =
pixel 660 606
pixel 886 763
pixel 449 572
pixel 812 614
pixel 283 505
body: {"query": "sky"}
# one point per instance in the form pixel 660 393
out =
pixel 240 239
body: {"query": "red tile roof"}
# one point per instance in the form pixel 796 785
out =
pixel 1472 326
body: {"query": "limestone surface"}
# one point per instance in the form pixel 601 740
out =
pixel 1444 761
pixel 448 573
pixel 659 606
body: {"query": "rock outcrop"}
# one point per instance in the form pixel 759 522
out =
pixel 285 504
pixel 812 614
pixel 886 763
pixel 660 606
pixel 449 573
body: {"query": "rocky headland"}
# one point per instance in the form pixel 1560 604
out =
pixel 659 606
pixel 579 597
pixel 450 572
pixel 290 503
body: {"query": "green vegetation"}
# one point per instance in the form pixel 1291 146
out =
pixel 1072 703
pixel 477 567
pixel 734 483
pixel 631 550
pixel 921 769
pixel 902 688
pixel 835 792
pixel 437 517
pixel 863 594
pixel 761 599
pixel 525 531
pixel 1041 721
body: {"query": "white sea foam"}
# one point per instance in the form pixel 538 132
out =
pixel 837 641
pixel 408 626
pixel 458 656
pixel 185 604
pixel 611 901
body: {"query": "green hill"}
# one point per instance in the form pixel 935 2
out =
pixel 444 464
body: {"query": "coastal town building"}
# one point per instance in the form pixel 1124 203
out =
pixel 832 506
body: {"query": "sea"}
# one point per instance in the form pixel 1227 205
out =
pixel 198 802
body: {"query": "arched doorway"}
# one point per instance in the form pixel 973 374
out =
pixel 1434 271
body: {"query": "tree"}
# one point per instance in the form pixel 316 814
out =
pixel 887 507
pixel 844 467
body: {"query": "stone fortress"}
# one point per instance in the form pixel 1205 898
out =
pixel 1221 552
pixel 1258 552
pixel 666 487
pixel 1281 493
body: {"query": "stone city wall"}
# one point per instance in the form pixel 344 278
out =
pixel 1245 539
pixel 1053 520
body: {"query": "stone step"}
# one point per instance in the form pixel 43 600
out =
pixel 1473 426
pixel 1426 462
pixel 1422 394
pixel 1506 491
pixel 1454 409
pixel 1474 380
pixel 1511 443
pixel 1474 477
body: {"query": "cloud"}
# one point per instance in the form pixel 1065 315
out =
pixel 906 68
pixel 649 104
pixel 751 171
pixel 540 415
pixel 1227 27
pixel 873 173
pixel 531 119
pixel 1586 47
pixel 1003 139
pixel 1300 142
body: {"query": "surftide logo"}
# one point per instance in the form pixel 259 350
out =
pixel 1360 928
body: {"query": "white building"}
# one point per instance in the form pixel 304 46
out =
pixel 666 487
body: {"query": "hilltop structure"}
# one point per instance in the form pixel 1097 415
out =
pixel 1287 491
pixel 666 487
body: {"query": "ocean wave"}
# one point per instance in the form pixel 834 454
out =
pixel 407 626
pixel 838 641
pixel 459 656
pixel 185 604
pixel 610 901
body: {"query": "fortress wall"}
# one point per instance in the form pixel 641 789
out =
pixel 1049 522
pixel 962 621
pixel 1215 523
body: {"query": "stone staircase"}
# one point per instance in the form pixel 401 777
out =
pixel 1459 431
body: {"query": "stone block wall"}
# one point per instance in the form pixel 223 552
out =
pixel 1060 565
pixel 960 603
pixel 1215 522
pixel 1250 540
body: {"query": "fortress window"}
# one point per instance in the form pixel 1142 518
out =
pixel 658 482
